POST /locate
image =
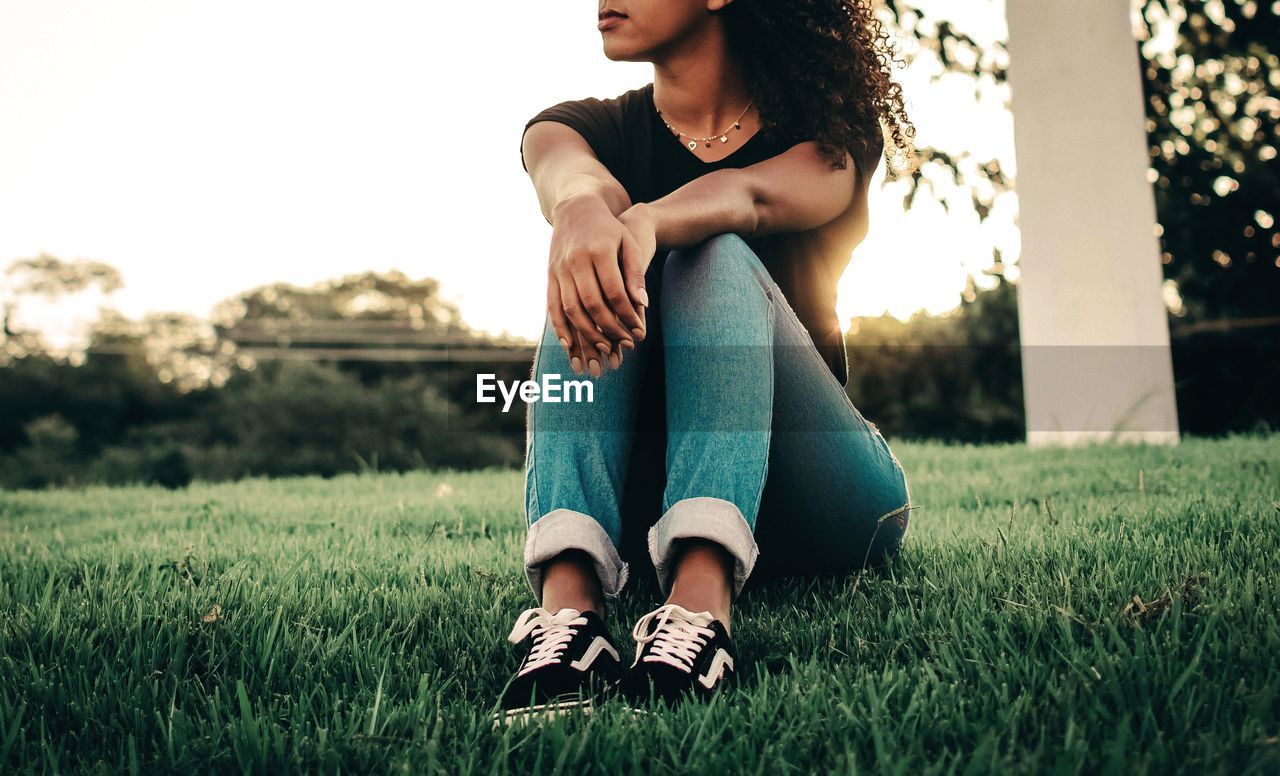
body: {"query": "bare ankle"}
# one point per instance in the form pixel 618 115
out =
pixel 703 578
pixel 569 580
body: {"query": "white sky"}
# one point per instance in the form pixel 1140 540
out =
pixel 206 148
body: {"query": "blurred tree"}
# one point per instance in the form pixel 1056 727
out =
pixel 301 417
pixel 101 398
pixel 955 376
pixel 1211 74
pixel 49 279
pixel 1212 118
pixel 178 348
pixel 367 296
pixel 49 457
pixel 378 326
pixel 162 399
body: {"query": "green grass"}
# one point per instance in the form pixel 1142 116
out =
pixel 361 625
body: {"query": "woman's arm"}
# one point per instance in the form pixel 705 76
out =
pixel 563 168
pixel 792 192
pixel 595 276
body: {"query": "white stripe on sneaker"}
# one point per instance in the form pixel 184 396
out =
pixel 598 645
pixel 716 670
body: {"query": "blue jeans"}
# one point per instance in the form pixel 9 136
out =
pixel 728 412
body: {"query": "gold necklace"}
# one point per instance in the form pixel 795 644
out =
pixel 723 137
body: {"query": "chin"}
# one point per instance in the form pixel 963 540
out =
pixel 622 53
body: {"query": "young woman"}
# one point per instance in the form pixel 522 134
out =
pixel 700 224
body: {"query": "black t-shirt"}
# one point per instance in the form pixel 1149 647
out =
pixel 628 137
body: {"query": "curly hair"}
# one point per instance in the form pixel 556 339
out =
pixel 820 70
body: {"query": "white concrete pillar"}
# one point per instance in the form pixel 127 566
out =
pixel 1095 340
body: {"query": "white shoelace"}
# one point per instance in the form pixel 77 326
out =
pixel 552 634
pixel 677 638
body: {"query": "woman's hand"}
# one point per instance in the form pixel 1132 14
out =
pixel 639 221
pixel 589 302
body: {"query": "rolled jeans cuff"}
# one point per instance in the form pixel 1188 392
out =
pixel 565 529
pixel 703 518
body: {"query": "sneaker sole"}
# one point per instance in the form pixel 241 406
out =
pixel 541 711
pixel 551 711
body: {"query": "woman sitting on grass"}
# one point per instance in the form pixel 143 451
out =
pixel 700 225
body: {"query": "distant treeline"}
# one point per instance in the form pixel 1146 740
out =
pixel 105 422
pixel 111 419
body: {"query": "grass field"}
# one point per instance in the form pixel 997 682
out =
pixel 1052 611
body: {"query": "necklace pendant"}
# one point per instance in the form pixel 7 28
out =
pixel 724 138
pixel 708 144
pixel 693 144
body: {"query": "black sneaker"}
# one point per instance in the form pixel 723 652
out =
pixel 679 653
pixel 571 665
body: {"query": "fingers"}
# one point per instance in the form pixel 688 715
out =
pixel 590 355
pixel 599 297
pixel 580 319
pixel 576 346
pixel 633 265
pixel 592 298
pixel 596 305
pixel 613 359
pixel 609 276
pixel 589 313
pixel 555 311
pixel 585 358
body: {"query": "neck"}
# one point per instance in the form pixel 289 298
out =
pixel 699 87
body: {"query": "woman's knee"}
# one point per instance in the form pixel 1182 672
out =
pixel 725 243
pixel 722 260
pixel 727 249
